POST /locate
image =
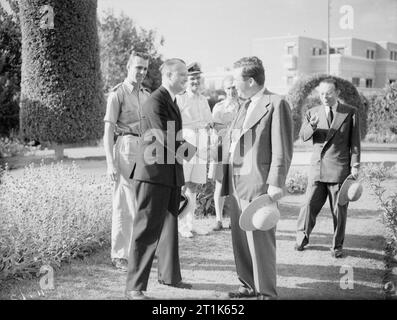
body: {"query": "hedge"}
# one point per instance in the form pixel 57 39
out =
pixel 303 88
pixel 61 97
pixel 382 115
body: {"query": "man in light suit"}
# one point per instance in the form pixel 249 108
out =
pixel 258 153
pixel 334 130
pixel 158 177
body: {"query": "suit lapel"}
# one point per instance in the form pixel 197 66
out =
pixel 340 116
pixel 174 107
pixel 258 112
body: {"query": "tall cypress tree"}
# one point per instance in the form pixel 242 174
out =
pixel 61 98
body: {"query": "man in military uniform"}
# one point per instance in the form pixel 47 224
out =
pixel 123 114
pixel 223 114
pixel 196 120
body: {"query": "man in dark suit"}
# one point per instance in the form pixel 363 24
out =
pixel 158 177
pixel 258 152
pixel 334 130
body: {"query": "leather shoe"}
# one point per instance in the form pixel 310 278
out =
pixel 336 253
pixel 180 285
pixel 136 295
pixel 121 264
pixel 301 247
pixel 243 292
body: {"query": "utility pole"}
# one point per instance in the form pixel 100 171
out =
pixel 328 32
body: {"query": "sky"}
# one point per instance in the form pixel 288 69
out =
pixel 218 32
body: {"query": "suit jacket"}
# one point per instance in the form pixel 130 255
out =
pixel 263 154
pixel 156 161
pixel 336 148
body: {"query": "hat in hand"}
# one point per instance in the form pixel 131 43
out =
pixel 350 190
pixel 261 214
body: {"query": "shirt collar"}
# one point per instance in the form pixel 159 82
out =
pixel 129 85
pixel 258 95
pixel 332 107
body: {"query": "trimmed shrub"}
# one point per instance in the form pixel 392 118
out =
pixel 10 67
pixel 296 182
pixel 382 115
pixel 50 215
pixel 303 88
pixel 61 97
pixel 375 175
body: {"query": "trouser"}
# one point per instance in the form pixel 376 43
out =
pixel 124 206
pixel 155 228
pixel 317 194
pixel 254 251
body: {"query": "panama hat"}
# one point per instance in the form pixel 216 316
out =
pixel 350 190
pixel 261 214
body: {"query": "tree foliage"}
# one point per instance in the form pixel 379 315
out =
pixel 118 36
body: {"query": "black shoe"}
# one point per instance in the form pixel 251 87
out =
pixel 336 253
pixel 298 247
pixel 301 247
pixel 181 285
pixel 120 264
pixel 243 292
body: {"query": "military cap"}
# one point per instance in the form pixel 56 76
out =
pixel 193 68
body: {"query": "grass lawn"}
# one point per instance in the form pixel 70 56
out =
pixel 207 262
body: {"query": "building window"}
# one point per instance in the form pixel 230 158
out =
pixel 290 50
pixel 370 54
pixel 356 81
pixel 340 50
pixel 368 83
pixel 314 52
pixel 393 55
pixel 320 51
pixel 290 80
pixel 331 50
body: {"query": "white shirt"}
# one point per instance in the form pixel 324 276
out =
pixel 195 111
pixel 254 100
pixel 333 108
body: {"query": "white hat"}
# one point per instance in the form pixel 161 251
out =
pixel 261 214
pixel 350 190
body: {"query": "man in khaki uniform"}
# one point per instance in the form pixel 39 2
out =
pixel 123 113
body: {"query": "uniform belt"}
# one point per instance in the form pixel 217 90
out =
pixel 129 134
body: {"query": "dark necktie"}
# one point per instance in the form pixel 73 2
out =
pixel 238 124
pixel 330 117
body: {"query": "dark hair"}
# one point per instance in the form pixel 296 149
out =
pixel 252 68
pixel 139 54
pixel 330 80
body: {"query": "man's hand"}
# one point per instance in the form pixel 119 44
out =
pixel 354 172
pixel 275 193
pixel 314 119
pixel 112 172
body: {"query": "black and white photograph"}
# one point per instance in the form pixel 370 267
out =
pixel 198 154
